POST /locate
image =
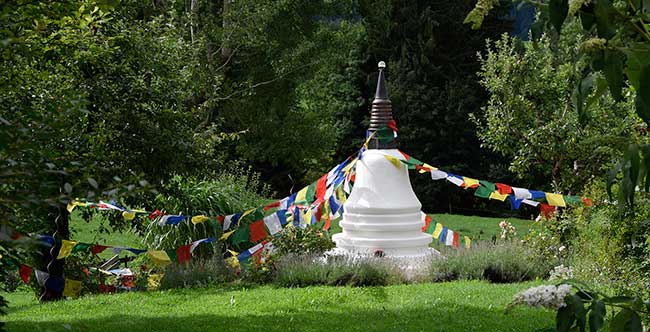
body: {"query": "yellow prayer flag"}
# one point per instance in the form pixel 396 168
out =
pixel 199 219
pixel 347 168
pixel 153 282
pixel 497 195
pixel 226 235
pixel 66 248
pixel 128 215
pixel 393 161
pixel 71 288
pixel 301 197
pixel 247 213
pixel 437 231
pixel 468 242
pixel 470 183
pixel 340 194
pixel 71 207
pixel 159 257
pixel 306 217
pixel 555 200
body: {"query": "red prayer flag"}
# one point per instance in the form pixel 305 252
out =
pixel 154 214
pixel 392 124
pixel 455 243
pixel 547 210
pixel 503 189
pixel 272 205
pixel 407 157
pixel 25 272
pixel 258 232
pixel 587 201
pixel 96 249
pixel 183 253
pixel 427 222
pixel 221 219
pixel 321 188
pixel 327 223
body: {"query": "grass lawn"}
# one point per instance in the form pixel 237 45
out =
pixel 483 228
pixel 453 306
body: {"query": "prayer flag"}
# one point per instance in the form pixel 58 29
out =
pixel 496 195
pixel 438 175
pixel 531 203
pixel 483 192
pixel 172 255
pixel 426 168
pixel 154 214
pixel 272 222
pixel 571 200
pixel 282 215
pixel 449 240
pixel 488 185
pixel 258 232
pixel 286 202
pixel 159 257
pixel 429 227
pixel 537 194
pixel 468 242
pixel 98 248
pixel 153 281
pixel 301 197
pixel 66 248
pixel 128 215
pixel 521 193
pixel 396 162
pixel 547 210
pixel 443 234
pixel 80 247
pixel 199 219
pixel 587 201
pixel 242 235
pixel 555 200
pixel 514 202
pixel 455 179
pixel 503 189
pixel 71 288
pixel 470 183
pixel 321 188
pixel 247 212
pixel 197 242
pixel 25 272
pixel 437 231
pixel 183 253
pixel 455 241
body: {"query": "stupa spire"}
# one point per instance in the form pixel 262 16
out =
pixel 382 111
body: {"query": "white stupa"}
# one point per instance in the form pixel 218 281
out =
pixel 382 215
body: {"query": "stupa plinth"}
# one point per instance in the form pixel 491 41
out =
pixel 382 216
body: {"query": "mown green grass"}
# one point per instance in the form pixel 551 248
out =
pixel 454 306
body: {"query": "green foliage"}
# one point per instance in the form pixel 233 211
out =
pixel 221 194
pixel 196 273
pixel 589 305
pixel 307 270
pixel 529 117
pixel 302 241
pixel 500 263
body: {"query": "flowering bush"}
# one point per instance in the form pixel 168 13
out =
pixel 561 272
pixel 508 230
pixel 585 308
pixel 547 296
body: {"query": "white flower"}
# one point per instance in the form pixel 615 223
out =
pixel 547 296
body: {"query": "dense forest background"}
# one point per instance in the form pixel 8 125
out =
pixel 111 99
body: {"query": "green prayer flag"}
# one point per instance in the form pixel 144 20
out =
pixel 172 255
pixel 572 200
pixel 385 135
pixel 311 192
pixel 487 184
pixel 483 192
pixel 432 227
pixel 81 247
pixel 241 235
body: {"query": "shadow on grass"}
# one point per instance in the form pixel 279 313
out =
pixel 438 316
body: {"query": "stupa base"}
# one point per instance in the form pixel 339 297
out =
pixel 413 266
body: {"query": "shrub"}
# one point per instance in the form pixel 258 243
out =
pixel 197 272
pixel 302 241
pixel 221 194
pixel 308 270
pixel 499 263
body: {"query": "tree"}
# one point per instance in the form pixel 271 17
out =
pixel 530 118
